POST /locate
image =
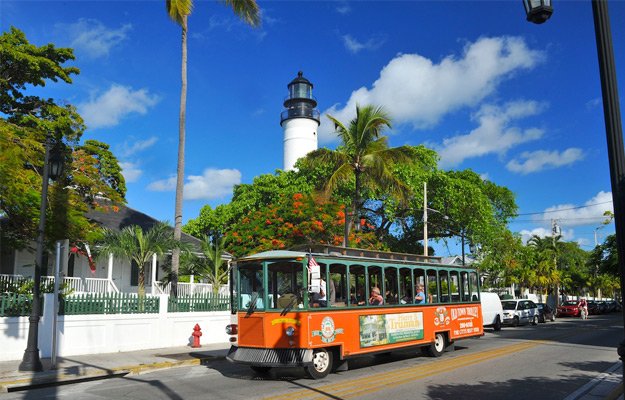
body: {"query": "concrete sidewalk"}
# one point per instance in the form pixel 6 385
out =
pixel 100 366
pixel 607 385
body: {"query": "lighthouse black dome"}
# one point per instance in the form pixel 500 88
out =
pixel 300 103
pixel 300 79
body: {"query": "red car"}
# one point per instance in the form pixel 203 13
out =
pixel 568 309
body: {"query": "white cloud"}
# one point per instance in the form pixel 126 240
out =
pixel 212 184
pixel 543 233
pixel 540 160
pixel 594 103
pixel 420 92
pixel 354 46
pixel 493 135
pixel 130 171
pixel 109 108
pixel 343 8
pixel 92 37
pixel 164 185
pixel 590 213
pixel 140 145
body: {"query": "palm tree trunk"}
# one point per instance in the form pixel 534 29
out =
pixel 175 259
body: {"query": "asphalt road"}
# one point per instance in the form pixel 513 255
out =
pixel 548 361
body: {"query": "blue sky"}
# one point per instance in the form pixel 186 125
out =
pixel 516 102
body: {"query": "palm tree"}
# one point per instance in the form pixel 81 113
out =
pixel 216 275
pixel 133 244
pixel 178 11
pixel 364 155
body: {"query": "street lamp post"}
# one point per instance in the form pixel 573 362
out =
pixel 51 168
pixel 613 127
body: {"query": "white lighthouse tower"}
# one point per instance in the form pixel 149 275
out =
pixel 299 120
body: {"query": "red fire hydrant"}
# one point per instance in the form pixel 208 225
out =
pixel 196 336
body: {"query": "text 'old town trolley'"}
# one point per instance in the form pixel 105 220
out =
pixel 320 306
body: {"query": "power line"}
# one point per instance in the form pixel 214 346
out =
pixel 565 209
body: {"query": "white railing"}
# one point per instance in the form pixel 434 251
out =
pixel 11 279
pixel 78 284
pixel 189 289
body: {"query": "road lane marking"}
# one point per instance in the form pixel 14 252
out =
pixel 377 382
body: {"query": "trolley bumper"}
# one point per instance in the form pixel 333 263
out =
pixel 270 357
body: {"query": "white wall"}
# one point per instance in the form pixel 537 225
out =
pixel 94 334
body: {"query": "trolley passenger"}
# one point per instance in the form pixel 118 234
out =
pixel 376 299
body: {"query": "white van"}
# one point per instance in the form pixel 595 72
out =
pixel 492 311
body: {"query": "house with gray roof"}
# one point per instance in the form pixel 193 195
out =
pixel 110 274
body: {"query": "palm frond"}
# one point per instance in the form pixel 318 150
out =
pixel 247 10
pixel 178 9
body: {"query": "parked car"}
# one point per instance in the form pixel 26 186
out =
pixel 613 305
pixel 492 311
pixel 519 311
pixel 545 312
pixel 593 307
pixel 602 307
pixel 568 309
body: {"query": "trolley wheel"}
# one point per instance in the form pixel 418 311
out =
pixel 436 348
pixel 497 325
pixel 322 364
pixel 260 370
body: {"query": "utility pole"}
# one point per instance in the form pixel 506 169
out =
pixel 425 219
pixel 555 261
pixel 597 270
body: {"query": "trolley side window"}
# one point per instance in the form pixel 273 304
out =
pixel 374 275
pixel 443 277
pixel 466 292
pixel 252 286
pixel 473 282
pixel 357 285
pixel 419 278
pixel 338 285
pixel 320 299
pixel 406 285
pixel 433 292
pixel 390 286
pixel 454 280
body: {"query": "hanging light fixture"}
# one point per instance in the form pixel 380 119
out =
pixel 538 11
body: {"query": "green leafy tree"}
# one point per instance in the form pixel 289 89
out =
pixel 133 244
pixel 90 170
pixel 364 155
pixel 179 11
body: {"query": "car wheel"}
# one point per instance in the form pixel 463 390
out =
pixel 436 348
pixel 535 320
pixel 322 364
pixel 515 321
pixel 497 325
pixel 542 319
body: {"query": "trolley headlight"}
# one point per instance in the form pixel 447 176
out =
pixel 290 331
pixel 231 329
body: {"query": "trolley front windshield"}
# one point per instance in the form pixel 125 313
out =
pixel 270 285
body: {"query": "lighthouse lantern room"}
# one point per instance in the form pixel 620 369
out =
pixel 299 120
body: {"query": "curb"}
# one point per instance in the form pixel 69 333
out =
pixel 616 393
pixel 64 379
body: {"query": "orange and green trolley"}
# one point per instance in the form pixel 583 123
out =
pixel 310 307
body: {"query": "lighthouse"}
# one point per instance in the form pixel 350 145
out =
pixel 299 121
